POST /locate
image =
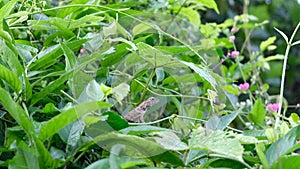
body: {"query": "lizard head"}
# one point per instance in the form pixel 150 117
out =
pixel 153 100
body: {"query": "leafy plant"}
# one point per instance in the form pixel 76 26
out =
pixel 70 72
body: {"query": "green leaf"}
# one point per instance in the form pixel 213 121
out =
pixel 6 9
pixel 216 141
pixel 71 133
pixel 16 112
pixel 169 140
pixel 25 158
pixel 70 56
pixel 266 43
pixel 63 119
pixel 51 87
pixel 92 92
pixel 136 147
pixel 50 56
pixel 103 163
pixel 115 121
pixel 209 4
pixel 227 119
pixel 10 78
pixel 290 162
pixel 155 57
pixel 121 91
pixel 282 146
pixel 50 109
pixel 192 15
pixel 258 112
pixel 142 129
pixel 87 20
pixel 202 72
pixel 260 149
pixel 140 28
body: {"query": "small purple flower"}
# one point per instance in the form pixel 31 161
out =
pixel 82 50
pixel 244 86
pixel 273 107
pixel 234 29
pixel 231 38
pixel 234 54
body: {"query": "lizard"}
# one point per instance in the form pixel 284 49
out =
pixel 137 115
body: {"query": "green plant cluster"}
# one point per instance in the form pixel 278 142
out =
pixel 70 71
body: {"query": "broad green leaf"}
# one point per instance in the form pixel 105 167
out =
pixel 50 56
pixel 92 92
pixel 136 147
pixel 87 20
pixel 173 49
pixel 7 8
pixel 103 163
pixel 218 142
pixel 71 133
pixel 246 139
pixel 169 140
pixel 26 157
pixel 194 155
pixel 231 89
pixel 223 163
pixel 266 43
pixel 227 119
pixel 192 15
pixel 10 56
pixel 212 124
pixel 282 146
pixel 258 112
pixel 16 112
pixel 63 119
pixel 142 129
pixel 70 56
pixel 50 109
pixel 121 91
pixel 209 4
pixel 51 87
pixel 289 162
pixel 155 57
pixel 283 35
pixel 140 28
pixel 115 120
pixel 202 72
pixel 10 78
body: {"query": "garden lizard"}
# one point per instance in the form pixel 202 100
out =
pixel 137 115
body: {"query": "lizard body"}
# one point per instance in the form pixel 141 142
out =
pixel 137 115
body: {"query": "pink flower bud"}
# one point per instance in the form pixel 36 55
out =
pixel 244 86
pixel 234 54
pixel 231 38
pixel 82 50
pixel 234 29
pixel 273 107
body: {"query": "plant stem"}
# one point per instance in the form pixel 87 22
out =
pixel 283 76
pixel 147 84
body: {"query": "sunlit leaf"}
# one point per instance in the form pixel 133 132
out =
pixel 216 141
pixel 258 112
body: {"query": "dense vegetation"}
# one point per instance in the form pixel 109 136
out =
pixel 71 70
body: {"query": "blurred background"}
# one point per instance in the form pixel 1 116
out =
pixel 282 14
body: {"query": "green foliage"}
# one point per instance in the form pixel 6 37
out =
pixel 70 71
